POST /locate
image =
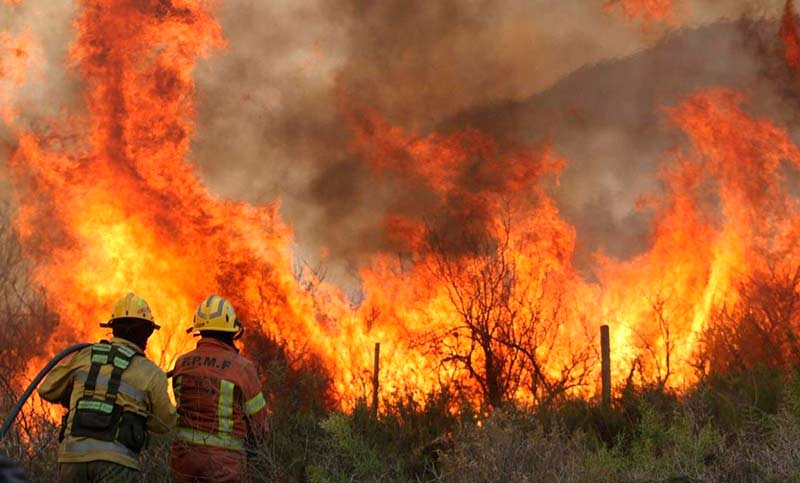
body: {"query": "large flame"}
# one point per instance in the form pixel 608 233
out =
pixel 109 202
pixel 726 211
pixel 113 205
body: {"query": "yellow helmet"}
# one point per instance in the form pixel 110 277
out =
pixel 215 313
pixel 131 307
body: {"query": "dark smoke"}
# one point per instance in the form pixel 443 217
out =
pixel 273 107
pixel 608 121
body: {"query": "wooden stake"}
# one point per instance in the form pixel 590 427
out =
pixel 605 354
pixel 376 380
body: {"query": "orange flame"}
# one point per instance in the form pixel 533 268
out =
pixel 122 209
pixel 727 215
pixel 723 215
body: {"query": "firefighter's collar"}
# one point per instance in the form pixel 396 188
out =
pixel 217 343
pixel 127 343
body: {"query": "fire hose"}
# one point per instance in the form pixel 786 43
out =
pixel 34 384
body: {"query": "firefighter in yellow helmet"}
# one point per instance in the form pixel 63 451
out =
pixel 115 397
pixel 220 403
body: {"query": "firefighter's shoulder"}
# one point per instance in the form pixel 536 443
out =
pixel 246 367
pixel 144 372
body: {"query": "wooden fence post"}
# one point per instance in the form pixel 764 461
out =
pixel 376 380
pixel 605 354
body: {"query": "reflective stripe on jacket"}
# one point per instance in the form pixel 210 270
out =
pixel 143 390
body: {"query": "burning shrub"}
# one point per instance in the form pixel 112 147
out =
pixel 511 313
pixel 22 308
pixel 25 317
pixel 760 329
pixel 292 382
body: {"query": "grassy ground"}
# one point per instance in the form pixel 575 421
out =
pixel 744 428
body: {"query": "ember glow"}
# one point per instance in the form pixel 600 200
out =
pixel 646 12
pixel 110 202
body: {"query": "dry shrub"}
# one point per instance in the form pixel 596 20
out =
pixel 511 446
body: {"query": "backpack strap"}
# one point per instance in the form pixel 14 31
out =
pixel 100 357
pixel 104 353
pixel 121 358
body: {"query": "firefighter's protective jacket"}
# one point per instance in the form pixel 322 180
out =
pixel 142 390
pixel 220 404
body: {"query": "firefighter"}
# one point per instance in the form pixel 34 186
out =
pixel 220 403
pixel 115 396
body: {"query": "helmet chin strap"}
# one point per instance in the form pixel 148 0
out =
pixel 240 332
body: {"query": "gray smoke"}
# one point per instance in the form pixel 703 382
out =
pixel 271 104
